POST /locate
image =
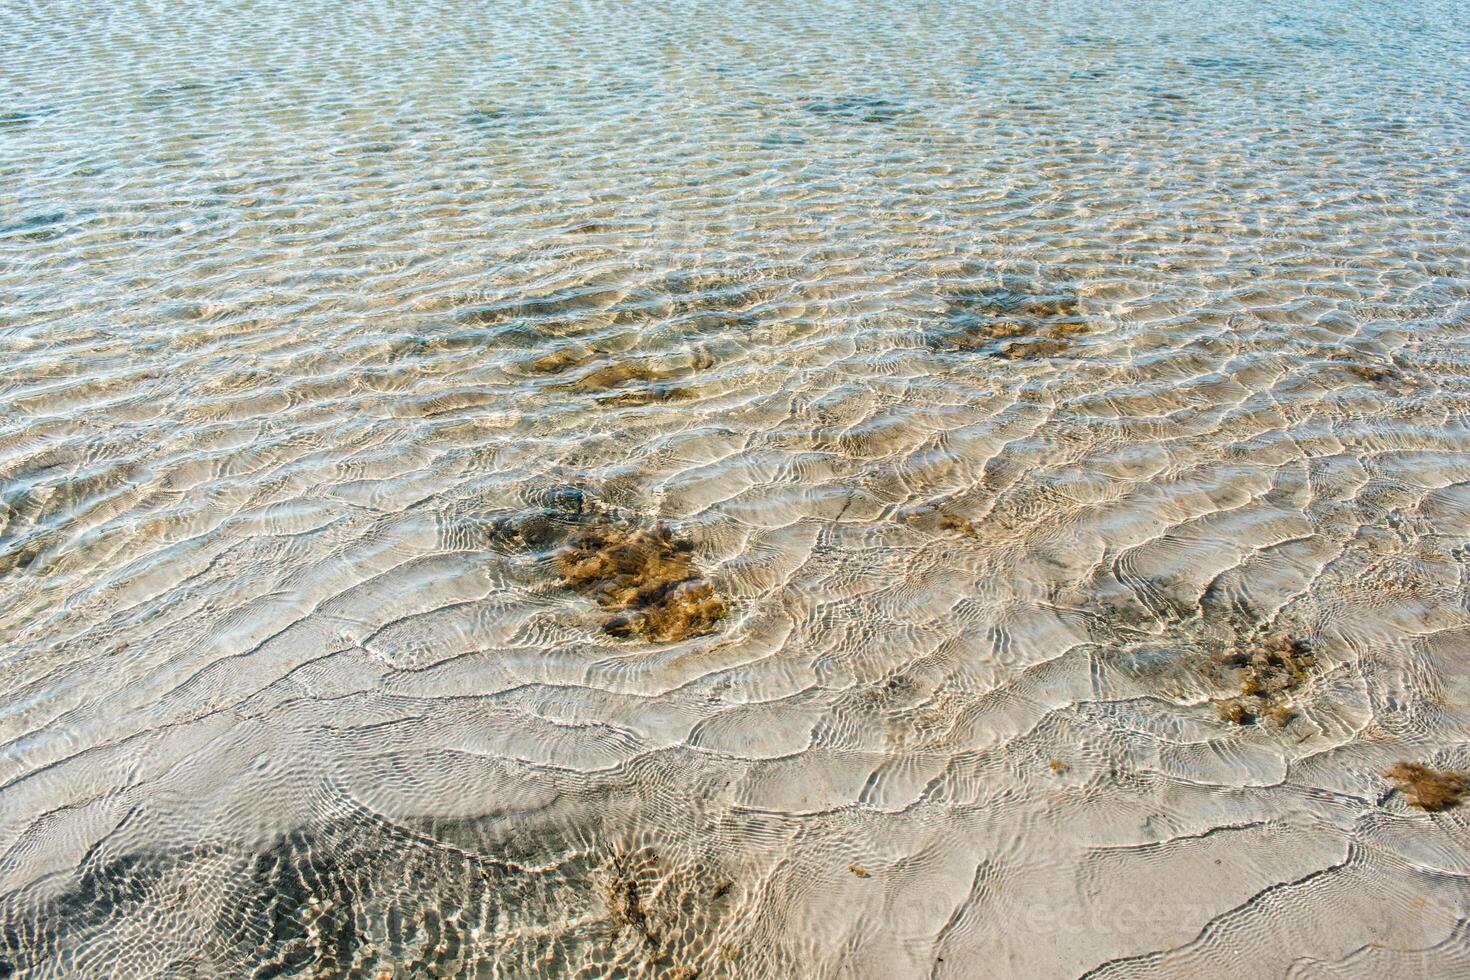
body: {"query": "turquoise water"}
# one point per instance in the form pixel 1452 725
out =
pixel 1006 369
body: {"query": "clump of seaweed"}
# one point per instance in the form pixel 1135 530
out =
pixel 1383 375
pixel 1012 324
pixel 625 901
pixel 646 578
pixel 1267 671
pixel 561 359
pixel 957 524
pixel 664 909
pixel 942 519
pixel 1426 788
pixel 630 383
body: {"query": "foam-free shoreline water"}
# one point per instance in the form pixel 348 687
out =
pixel 750 490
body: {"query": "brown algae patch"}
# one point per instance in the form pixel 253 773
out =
pixel 1387 377
pixel 1012 324
pixel 957 524
pixel 1426 788
pixel 663 910
pixel 562 359
pixel 1045 347
pixel 630 383
pixel 1268 672
pixel 937 517
pixel 617 382
pixel 624 895
pixel 646 579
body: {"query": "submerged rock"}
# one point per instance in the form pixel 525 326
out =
pixel 1426 788
pixel 645 578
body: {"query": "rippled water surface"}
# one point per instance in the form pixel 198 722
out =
pixel 1032 438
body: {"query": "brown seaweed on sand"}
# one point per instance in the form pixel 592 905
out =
pixel 645 578
pixel 630 383
pixel 625 901
pixel 561 360
pixel 935 516
pixel 1426 788
pixel 1268 672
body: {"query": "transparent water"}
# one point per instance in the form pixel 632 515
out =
pixel 1004 365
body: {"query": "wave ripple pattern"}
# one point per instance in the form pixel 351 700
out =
pixel 746 489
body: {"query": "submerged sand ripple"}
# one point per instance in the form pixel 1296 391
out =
pixel 955 403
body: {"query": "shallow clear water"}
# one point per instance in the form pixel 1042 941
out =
pixel 1004 364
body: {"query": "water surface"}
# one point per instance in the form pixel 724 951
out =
pixel 1006 368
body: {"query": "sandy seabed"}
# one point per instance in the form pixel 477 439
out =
pixel 734 490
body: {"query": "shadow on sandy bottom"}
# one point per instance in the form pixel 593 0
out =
pixel 365 898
